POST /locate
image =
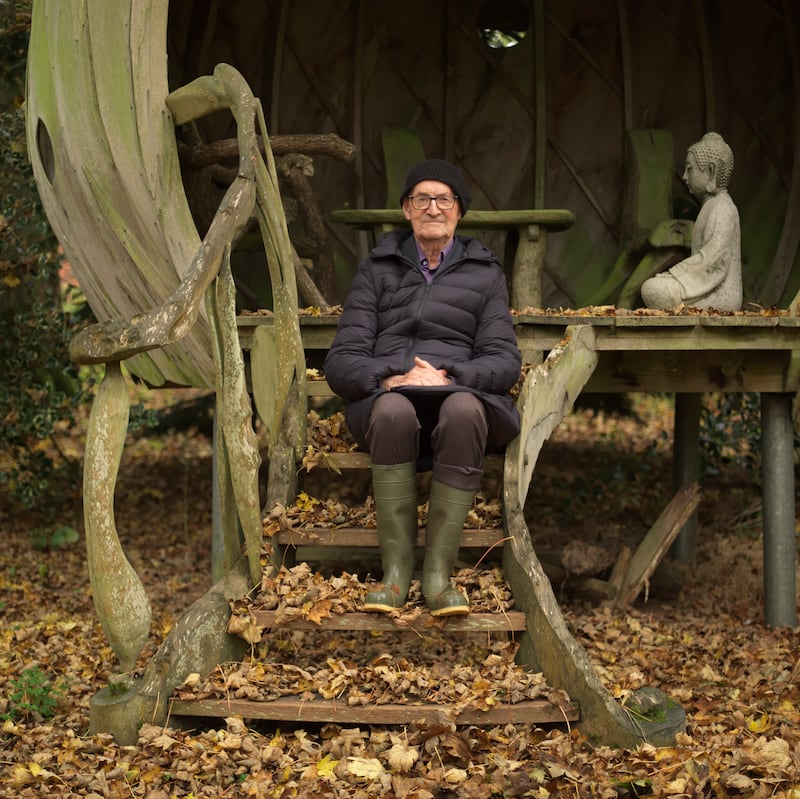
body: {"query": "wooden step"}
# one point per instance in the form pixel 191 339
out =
pixel 500 621
pixel 300 709
pixel 361 460
pixel 368 537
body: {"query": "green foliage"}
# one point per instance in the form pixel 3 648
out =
pixel 118 687
pixel 730 432
pixel 40 389
pixel 15 23
pixel 633 788
pixel 62 537
pixel 32 694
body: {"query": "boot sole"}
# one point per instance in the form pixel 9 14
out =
pixel 456 610
pixel 380 608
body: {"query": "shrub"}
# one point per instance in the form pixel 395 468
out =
pixel 32 694
pixel 40 386
pixel 730 432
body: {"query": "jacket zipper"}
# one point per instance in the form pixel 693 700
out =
pixel 409 359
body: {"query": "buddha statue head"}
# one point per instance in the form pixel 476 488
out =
pixel 709 166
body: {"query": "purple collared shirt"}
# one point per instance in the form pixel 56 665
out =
pixel 423 261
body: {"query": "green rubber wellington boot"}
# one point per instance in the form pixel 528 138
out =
pixel 446 516
pixel 395 491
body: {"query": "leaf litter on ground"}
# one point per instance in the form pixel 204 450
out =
pixel 708 648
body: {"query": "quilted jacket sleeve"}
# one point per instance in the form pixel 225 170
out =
pixel 351 368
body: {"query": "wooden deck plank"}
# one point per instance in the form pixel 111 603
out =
pixel 507 621
pixel 297 709
pixel 767 333
pixel 329 321
pixel 368 537
pixel 696 337
pixel 699 371
pixel 537 333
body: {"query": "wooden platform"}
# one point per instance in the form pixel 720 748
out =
pixel 687 354
pixel 638 352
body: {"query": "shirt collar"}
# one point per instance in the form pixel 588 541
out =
pixel 445 252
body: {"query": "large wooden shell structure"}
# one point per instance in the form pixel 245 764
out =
pixel 542 124
pixel 546 124
pixel 107 167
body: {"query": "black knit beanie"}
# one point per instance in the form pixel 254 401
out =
pixel 444 172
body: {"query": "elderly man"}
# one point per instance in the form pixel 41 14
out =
pixel 425 355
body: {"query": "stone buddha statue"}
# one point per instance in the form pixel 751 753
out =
pixel 711 277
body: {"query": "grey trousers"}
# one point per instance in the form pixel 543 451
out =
pixel 451 429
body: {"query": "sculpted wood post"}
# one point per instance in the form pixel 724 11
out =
pixel 122 604
pixel 119 596
pixel 547 645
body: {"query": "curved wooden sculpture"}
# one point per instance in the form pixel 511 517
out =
pixel 107 171
pixel 547 396
pixel 199 640
pixel 102 145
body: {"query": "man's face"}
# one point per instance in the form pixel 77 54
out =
pixel 433 224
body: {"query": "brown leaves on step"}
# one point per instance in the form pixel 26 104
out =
pixel 326 434
pixel 301 593
pixel 310 514
pixel 368 669
pixel 612 310
pixel 297 593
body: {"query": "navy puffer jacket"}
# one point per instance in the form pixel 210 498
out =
pixel 459 322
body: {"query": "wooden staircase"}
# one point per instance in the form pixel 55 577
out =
pixel 535 623
pixel 309 706
pixel 199 642
pixel 350 544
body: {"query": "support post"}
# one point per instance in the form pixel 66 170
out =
pixel 526 278
pixel 686 468
pixel 780 548
pixel 217 534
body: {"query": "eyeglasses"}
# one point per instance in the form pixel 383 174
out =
pixel 421 202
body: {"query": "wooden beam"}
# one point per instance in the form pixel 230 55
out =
pixel 299 709
pixel 508 621
pixel 786 254
pixel 655 544
pixel 368 537
pixel 627 65
pixel 367 219
pixel 540 104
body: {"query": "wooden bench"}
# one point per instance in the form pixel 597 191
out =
pixel 528 228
